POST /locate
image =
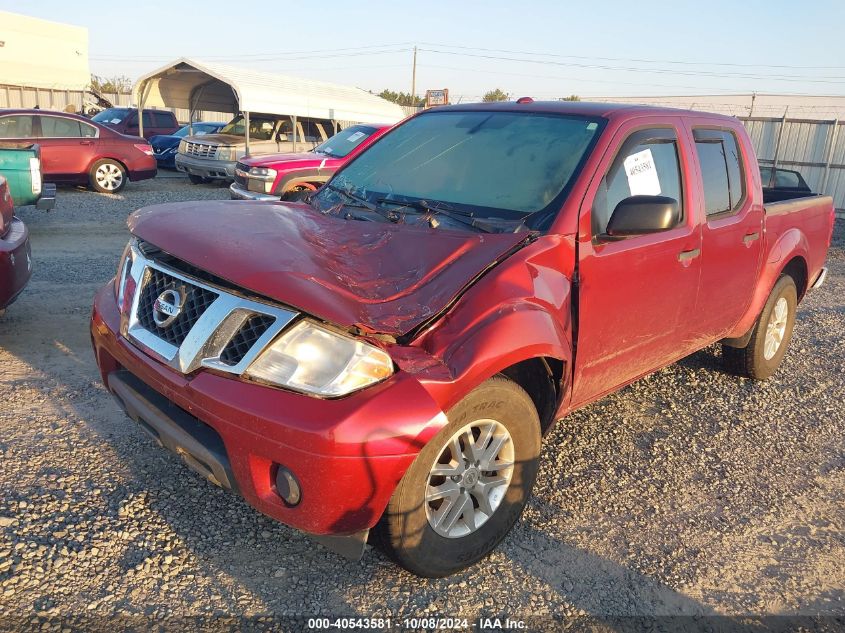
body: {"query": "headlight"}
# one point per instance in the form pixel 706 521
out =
pixel 314 359
pixel 263 173
pixel 183 147
pixel 123 280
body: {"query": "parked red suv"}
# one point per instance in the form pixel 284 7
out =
pixel 125 121
pixel 77 151
pixel 277 176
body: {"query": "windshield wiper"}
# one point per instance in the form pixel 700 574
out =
pixel 439 208
pixel 363 203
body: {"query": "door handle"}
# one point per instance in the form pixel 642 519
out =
pixel 685 256
pixel 86 142
pixel 750 237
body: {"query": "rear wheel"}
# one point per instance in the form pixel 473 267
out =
pixel 468 485
pixel 198 180
pixel 107 176
pixel 770 336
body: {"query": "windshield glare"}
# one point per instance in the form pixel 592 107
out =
pixel 344 142
pixel 199 130
pixel 503 165
pixel 111 115
pixel 259 129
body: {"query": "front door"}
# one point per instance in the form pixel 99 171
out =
pixel 635 293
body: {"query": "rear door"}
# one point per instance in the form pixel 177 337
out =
pixel 732 234
pixel 68 147
pixel 635 293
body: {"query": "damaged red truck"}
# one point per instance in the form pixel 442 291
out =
pixel 383 359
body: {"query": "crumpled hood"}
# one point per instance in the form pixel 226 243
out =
pixel 383 278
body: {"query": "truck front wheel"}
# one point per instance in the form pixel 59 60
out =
pixel 468 485
pixel 770 336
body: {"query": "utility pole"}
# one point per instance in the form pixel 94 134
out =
pixel 414 76
pixel 753 98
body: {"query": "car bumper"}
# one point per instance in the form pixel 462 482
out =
pixel 47 201
pixel 15 262
pixel 347 454
pixel 239 193
pixel 143 174
pixel 206 168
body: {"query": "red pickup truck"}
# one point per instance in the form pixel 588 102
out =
pixel 383 360
pixel 15 254
pixel 277 176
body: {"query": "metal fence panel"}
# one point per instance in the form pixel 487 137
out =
pixel 814 148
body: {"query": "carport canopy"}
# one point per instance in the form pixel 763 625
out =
pixel 199 85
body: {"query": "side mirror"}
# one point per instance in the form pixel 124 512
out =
pixel 639 215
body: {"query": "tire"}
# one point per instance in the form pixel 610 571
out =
pixel 770 337
pixel 198 180
pixel 407 531
pixel 107 176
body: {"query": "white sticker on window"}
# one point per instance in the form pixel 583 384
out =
pixel 115 121
pixel 354 137
pixel 642 174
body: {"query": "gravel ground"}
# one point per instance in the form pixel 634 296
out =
pixel 689 492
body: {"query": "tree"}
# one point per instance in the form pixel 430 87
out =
pixel 402 98
pixel 571 98
pixel 495 95
pixel 119 84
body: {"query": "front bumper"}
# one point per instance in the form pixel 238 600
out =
pixel 15 262
pixel 348 454
pixel 223 169
pixel 239 193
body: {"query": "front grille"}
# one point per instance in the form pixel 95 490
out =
pixel 201 150
pixel 197 300
pixel 243 340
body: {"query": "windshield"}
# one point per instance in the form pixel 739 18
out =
pixel 199 130
pixel 260 129
pixel 344 142
pixel 493 165
pixel 111 115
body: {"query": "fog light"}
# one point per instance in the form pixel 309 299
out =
pixel 287 487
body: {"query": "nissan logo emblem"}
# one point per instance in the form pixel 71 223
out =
pixel 168 307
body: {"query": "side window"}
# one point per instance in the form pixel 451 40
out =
pixel 58 127
pixel 786 179
pixel 148 119
pixel 88 131
pixel 647 165
pixel 16 126
pixel 721 170
pixel 163 119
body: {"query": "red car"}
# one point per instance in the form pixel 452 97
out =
pixel 388 355
pixel 276 176
pixel 15 255
pixel 78 151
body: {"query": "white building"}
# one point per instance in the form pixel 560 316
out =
pixel 41 54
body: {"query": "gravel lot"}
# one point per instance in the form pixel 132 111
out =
pixel 690 492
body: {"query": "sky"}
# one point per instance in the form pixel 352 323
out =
pixel 544 48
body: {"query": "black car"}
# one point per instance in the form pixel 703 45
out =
pixel 165 146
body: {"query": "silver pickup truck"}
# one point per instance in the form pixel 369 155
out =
pixel 213 156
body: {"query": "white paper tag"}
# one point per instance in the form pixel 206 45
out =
pixel 642 174
pixel 354 137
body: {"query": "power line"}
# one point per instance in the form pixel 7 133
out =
pixel 792 78
pixel 630 59
pixel 257 57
